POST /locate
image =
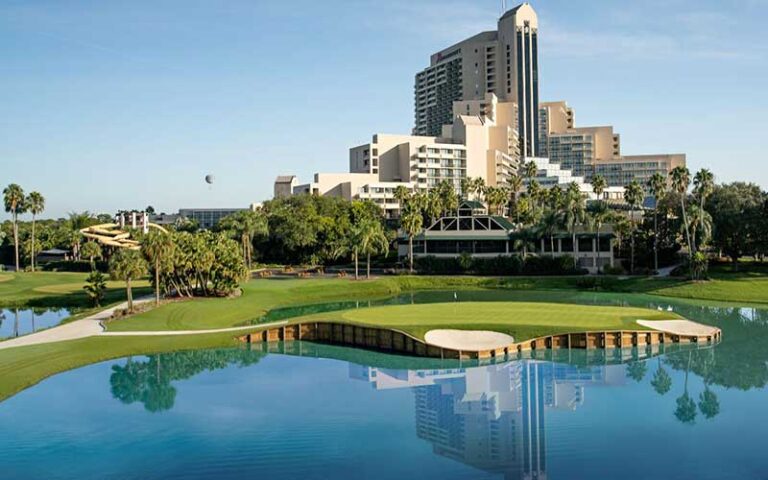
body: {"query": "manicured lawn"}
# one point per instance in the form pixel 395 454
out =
pixel 258 297
pixel 521 320
pixel 57 289
pixel 23 367
pixel 261 295
pixel 749 285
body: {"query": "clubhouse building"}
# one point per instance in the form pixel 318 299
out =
pixel 475 232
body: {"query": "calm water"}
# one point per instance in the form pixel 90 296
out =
pixel 241 413
pixel 15 322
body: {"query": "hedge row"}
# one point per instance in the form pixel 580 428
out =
pixel 501 265
pixel 73 266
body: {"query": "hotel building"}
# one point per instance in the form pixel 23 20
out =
pixel 477 114
pixel 503 62
pixel 587 151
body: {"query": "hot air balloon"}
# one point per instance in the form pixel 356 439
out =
pixel 209 179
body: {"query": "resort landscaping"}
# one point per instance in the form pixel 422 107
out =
pixel 520 320
pixel 540 306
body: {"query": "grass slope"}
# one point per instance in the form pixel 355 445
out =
pixel 521 320
pixel 57 289
pixel 23 367
pixel 260 295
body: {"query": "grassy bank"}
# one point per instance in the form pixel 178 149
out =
pixel 23 367
pixel 521 320
pixel 261 295
pixel 57 290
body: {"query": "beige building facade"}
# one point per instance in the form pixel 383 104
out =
pixel 503 62
pixel 587 151
pixel 477 114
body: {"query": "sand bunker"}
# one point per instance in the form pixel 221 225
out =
pixel 679 327
pixel 472 340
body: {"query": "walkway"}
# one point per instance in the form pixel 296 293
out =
pixel 92 326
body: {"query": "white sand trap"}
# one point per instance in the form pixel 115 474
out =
pixel 472 340
pixel 679 327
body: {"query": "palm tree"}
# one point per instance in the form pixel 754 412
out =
pixel 13 196
pixel 526 208
pixel 555 197
pixel 127 265
pixel 466 187
pixel 76 222
pixel 515 185
pixel 704 184
pixel 401 194
pixel 700 224
pixel 434 206
pixel 525 241
pixel 534 192
pixel 599 184
pixel 448 199
pixel 549 225
pixel 633 195
pixel 411 223
pixel 95 286
pixel 530 169
pixel 245 225
pixel 574 209
pixel 92 250
pixel 479 188
pixel 349 246
pixel 657 185
pixel 681 179
pixel 599 214
pixel 373 240
pixel 157 248
pixel 495 197
pixel 35 205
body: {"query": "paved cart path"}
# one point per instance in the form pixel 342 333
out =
pixel 92 326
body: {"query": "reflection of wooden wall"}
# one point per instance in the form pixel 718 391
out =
pixel 395 341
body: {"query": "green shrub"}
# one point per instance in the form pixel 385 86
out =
pixel 502 265
pixel 563 265
pixel 613 270
pixel 431 265
pixel 73 266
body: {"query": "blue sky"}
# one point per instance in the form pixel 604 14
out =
pixel 109 104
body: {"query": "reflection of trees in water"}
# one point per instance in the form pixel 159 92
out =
pixel 686 407
pixel 637 370
pixel 686 410
pixel 709 403
pixel 149 382
pixel 661 381
pixel 741 360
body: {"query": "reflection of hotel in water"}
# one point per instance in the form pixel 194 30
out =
pixel 492 417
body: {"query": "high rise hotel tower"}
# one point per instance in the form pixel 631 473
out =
pixel 503 62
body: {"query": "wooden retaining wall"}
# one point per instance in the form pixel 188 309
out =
pixel 395 341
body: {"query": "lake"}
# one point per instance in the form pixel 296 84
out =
pixel 16 322
pixel 318 412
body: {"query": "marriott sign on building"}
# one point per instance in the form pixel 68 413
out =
pixel 477 114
